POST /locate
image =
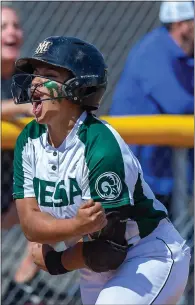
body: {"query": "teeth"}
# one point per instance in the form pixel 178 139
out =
pixel 36 103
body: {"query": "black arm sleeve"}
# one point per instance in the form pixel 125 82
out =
pixel 108 249
pixel 53 263
pixel 102 256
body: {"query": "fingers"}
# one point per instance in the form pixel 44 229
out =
pixel 38 254
pixel 97 207
pixel 35 247
pixel 102 220
pixel 38 249
pixel 99 222
pixel 89 203
pixel 91 217
pixel 98 214
pixel 93 207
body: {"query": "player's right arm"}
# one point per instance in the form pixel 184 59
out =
pixel 40 226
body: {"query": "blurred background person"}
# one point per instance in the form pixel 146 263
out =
pixel 158 79
pixel 11 42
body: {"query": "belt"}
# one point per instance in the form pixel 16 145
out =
pixel 138 238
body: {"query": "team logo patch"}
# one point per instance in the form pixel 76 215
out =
pixel 43 47
pixel 108 186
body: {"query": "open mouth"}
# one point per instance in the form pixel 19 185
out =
pixel 11 44
pixel 37 105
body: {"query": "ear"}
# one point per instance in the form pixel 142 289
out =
pixel 183 26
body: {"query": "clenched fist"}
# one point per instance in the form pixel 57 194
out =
pixel 91 217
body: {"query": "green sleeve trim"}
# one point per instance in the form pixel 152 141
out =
pixel 115 204
pixel 22 196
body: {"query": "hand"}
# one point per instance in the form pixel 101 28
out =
pixel 27 109
pixel 39 252
pixel 91 217
pixel 11 110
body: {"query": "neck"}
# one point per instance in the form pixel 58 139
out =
pixel 7 69
pixel 59 130
pixel 183 44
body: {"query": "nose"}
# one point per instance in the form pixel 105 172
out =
pixel 11 30
pixel 36 86
pixel 36 80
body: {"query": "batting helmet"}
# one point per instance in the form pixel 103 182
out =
pixel 88 82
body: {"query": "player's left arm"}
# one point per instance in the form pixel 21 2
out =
pixel 105 251
pixel 56 263
pixel 49 260
pixel 109 177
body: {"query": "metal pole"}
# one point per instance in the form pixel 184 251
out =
pixel 179 206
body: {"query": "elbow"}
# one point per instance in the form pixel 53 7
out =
pixel 34 239
pixel 35 236
pixel 29 233
pixel 30 238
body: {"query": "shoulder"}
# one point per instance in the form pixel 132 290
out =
pixel 152 44
pixel 100 139
pixel 95 131
pixel 32 130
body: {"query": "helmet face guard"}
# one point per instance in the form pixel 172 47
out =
pixel 77 90
pixel 23 91
pixel 85 87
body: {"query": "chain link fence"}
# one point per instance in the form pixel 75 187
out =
pixel 114 27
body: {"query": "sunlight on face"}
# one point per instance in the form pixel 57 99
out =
pixel 47 93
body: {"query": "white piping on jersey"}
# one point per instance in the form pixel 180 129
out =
pixel 126 153
pixel 28 186
pixel 127 160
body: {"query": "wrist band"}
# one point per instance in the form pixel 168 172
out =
pixel 53 263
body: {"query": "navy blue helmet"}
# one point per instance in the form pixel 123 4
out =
pixel 88 79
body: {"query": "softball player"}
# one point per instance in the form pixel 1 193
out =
pixel 120 239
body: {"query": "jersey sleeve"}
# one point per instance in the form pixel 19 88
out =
pixel 23 178
pixel 109 173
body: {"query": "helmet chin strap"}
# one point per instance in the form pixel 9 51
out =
pixel 47 99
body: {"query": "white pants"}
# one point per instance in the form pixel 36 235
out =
pixel 155 272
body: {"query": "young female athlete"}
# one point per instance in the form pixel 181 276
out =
pixel 75 180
